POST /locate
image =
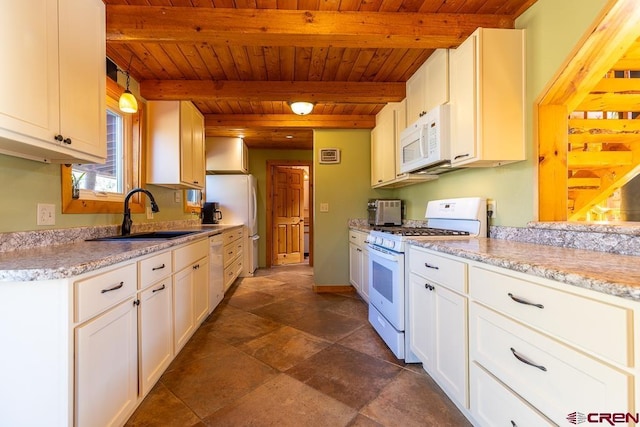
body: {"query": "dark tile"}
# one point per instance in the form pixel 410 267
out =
pixel 364 421
pixel 326 324
pixel 241 328
pixel 284 347
pixel 210 383
pixel 351 307
pixel 346 375
pixel 283 402
pixel 161 408
pixel 414 400
pixel 283 311
pixel 366 340
pixel 249 300
pixel 202 344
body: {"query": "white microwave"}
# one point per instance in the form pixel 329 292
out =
pixel 425 144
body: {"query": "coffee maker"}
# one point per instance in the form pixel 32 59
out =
pixel 211 213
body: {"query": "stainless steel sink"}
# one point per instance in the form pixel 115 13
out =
pixel 151 235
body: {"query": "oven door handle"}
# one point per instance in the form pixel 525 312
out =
pixel 383 254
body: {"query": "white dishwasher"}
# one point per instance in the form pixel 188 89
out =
pixel 216 272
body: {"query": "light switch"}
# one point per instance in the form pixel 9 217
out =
pixel 324 207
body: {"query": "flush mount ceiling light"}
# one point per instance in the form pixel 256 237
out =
pixel 301 108
pixel 128 102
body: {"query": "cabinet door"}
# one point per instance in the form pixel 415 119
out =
pixel 421 325
pixel 450 361
pixel 107 367
pixel 462 79
pixel 156 345
pixel 416 93
pixel 201 290
pixel 29 104
pixel 437 79
pixel 186 143
pixel 83 76
pixel 197 138
pixel 183 310
pixel 355 266
pixel 364 290
pixel 383 146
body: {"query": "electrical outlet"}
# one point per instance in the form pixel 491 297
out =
pixel 46 214
pixel 492 207
pixel 177 197
pixel 149 213
pixel 324 207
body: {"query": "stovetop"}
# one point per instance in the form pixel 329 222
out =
pixel 420 231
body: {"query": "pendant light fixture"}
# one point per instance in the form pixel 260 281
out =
pixel 301 108
pixel 128 102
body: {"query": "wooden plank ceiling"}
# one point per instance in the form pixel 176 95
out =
pixel 241 61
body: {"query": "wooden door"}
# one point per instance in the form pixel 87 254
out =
pixel 288 216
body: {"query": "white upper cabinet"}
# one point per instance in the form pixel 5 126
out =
pixel 53 107
pixel 383 146
pixel 176 141
pixel 226 155
pixel 429 86
pixel 487 77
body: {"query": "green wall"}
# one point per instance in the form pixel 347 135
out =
pixel 25 183
pixel 346 187
pixel 258 168
pixel 552 30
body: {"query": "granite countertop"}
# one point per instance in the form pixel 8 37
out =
pixel 62 261
pixel 612 274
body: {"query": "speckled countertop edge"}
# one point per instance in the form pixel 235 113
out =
pixel 612 274
pixel 61 261
pixel 575 254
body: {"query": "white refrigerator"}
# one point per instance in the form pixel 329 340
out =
pixel 237 197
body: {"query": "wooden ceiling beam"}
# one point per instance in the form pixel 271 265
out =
pixel 214 123
pixel 299 28
pixel 334 92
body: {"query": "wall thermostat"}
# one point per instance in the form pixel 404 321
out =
pixel 329 155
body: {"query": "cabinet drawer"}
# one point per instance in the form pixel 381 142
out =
pixel 553 377
pixel 493 404
pixel 154 268
pixel 95 294
pixel 442 270
pixel 230 236
pixel 231 272
pixel 596 326
pixel 357 237
pixel 230 253
pixel 189 254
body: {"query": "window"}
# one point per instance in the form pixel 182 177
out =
pixel 102 187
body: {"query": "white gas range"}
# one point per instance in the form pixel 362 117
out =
pixel 461 218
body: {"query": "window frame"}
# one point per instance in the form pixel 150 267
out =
pixel 136 167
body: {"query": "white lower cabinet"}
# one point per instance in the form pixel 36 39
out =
pixel 438 328
pixel 106 367
pixel 494 404
pixel 95 344
pixel 359 263
pixel 514 349
pixel 190 292
pixel 156 332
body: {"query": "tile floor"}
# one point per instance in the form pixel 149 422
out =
pixel 274 353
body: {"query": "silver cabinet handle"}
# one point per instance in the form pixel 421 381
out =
pixel 118 286
pixel 525 302
pixel 525 361
pixel 161 288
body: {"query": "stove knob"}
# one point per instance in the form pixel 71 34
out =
pixel 378 240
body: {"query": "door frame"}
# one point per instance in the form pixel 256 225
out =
pixel 271 166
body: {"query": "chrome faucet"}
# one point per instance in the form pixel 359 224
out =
pixel 126 222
